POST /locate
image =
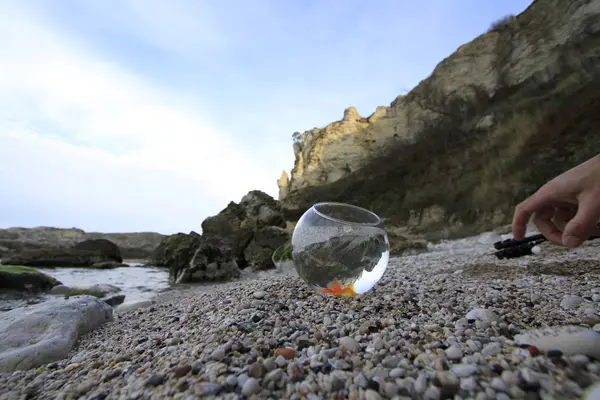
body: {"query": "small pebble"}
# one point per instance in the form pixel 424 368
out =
pixel 250 387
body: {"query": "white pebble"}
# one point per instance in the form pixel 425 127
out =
pixel 570 301
pixel 464 370
pixel 349 344
pixel 585 342
pixel 370 394
pixel 491 349
pixel 482 314
pixel 432 393
pixel 580 360
pixel 468 384
pixel 498 384
pixel 397 373
pixel 454 353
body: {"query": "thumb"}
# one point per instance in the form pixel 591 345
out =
pixel 582 225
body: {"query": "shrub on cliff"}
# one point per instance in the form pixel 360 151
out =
pixel 502 23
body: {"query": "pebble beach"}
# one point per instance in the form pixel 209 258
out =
pixel 451 323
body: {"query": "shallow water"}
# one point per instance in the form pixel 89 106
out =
pixel 136 282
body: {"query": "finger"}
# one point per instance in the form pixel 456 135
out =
pixel 583 224
pixel 524 210
pixel 562 215
pixel 520 219
pixel 543 221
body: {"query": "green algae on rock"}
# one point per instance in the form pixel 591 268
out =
pixel 282 257
pixel 17 277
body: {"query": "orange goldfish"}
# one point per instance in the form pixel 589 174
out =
pixel 335 289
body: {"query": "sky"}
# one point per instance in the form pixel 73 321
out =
pixel 151 115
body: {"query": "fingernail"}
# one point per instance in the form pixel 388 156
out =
pixel 572 241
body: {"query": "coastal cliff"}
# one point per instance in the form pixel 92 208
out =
pixel 494 121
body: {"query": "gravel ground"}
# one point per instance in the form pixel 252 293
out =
pixel 420 333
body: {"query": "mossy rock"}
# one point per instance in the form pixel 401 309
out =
pixel 17 277
pixel 283 253
pixel 282 258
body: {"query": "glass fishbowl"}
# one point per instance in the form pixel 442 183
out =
pixel 340 249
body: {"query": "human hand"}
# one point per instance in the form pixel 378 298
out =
pixel 565 209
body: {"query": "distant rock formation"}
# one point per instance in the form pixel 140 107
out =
pixel 95 253
pixel 135 245
pixel 494 121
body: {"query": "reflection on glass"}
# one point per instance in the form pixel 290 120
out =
pixel 340 249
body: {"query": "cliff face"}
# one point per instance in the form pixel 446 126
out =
pixel 493 122
pixel 132 245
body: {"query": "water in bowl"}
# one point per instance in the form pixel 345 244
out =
pixel 340 257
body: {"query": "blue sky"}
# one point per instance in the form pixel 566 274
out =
pixel 150 115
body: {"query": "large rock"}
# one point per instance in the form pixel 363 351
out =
pixel 47 332
pixel 240 236
pixel 25 279
pixel 103 247
pixel 258 254
pixel 176 251
pixel 452 155
pixel 214 260
pixel 194 258
pixel 253 229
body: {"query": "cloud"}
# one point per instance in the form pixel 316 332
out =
pixel 109 192
pixel 69 105
pixel 152 115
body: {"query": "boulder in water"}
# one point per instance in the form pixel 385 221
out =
pixel 97 290
pixel 106 249
pixel 22 278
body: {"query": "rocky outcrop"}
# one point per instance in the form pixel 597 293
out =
pixel 176 251
pixel 135 245
pixel 331 153
pixel 494 121
pixel 282 183
pixel 37 335
pixel 243 235
pixel 253 229
pixel 99 253
pixel 25 279
pixel 103 247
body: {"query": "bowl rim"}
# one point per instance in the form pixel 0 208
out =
pixel 343 221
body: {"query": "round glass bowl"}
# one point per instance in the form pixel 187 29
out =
pixel 340 249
